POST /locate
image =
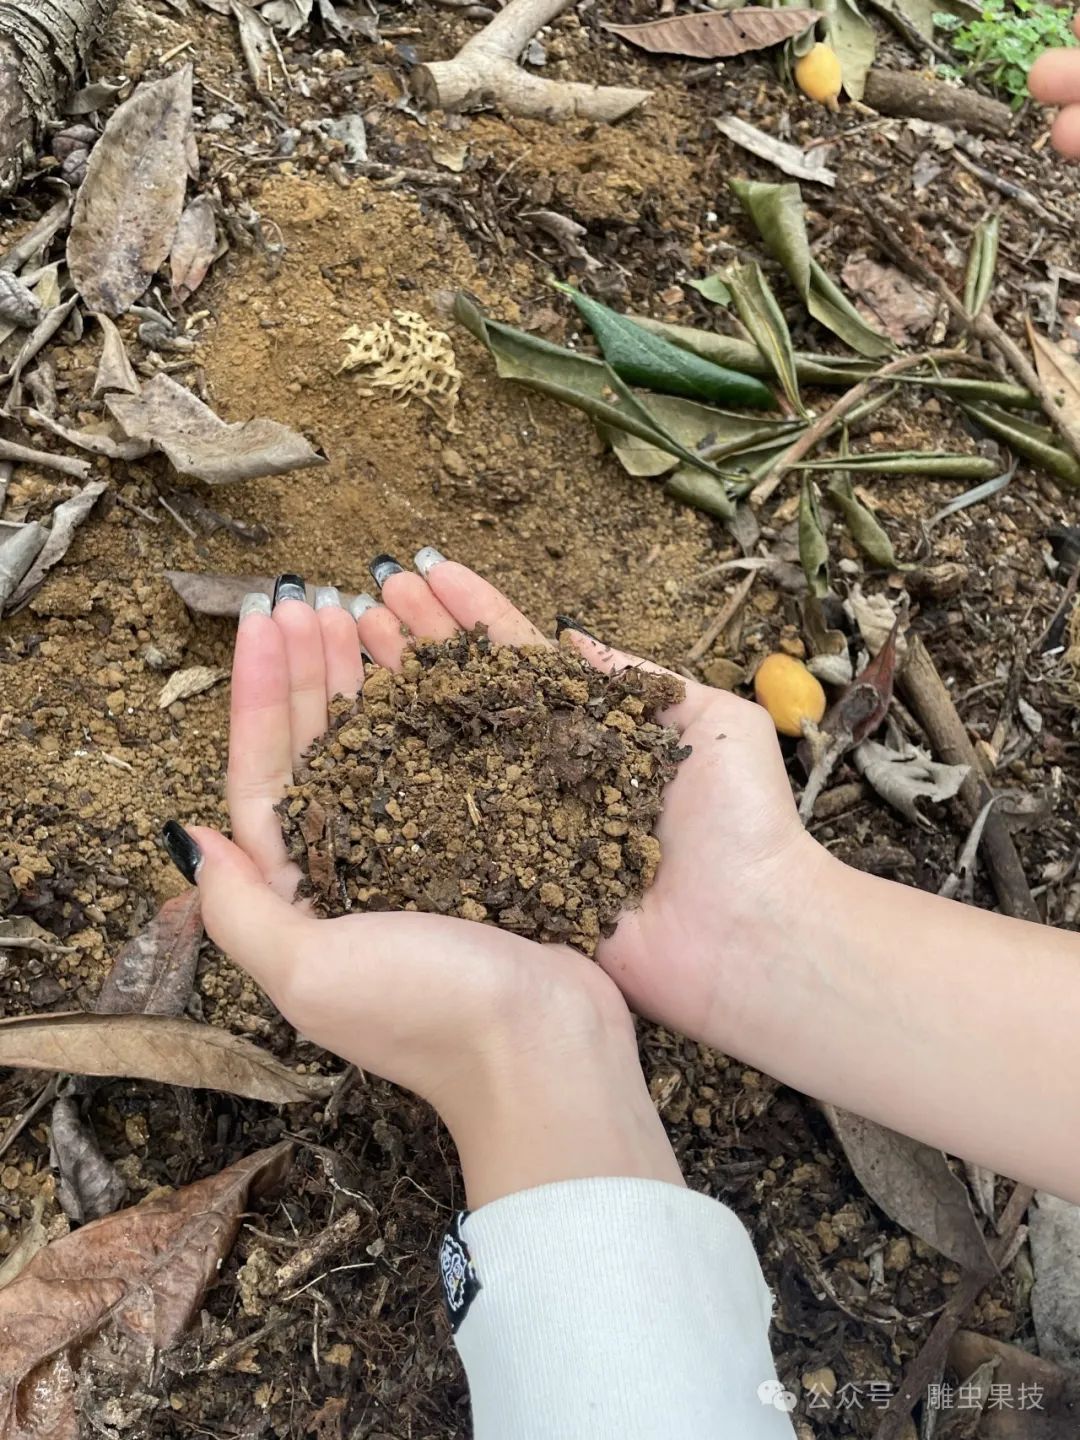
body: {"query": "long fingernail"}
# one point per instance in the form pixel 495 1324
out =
pixel 183 852
pixel 382 567
pixel 327 596
pixel 566 622
pixel 256 603
pixel 359 603
pixel 426 559
pixel 289 587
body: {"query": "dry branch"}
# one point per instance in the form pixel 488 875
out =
pixel 42 46
pixel 485 72
pixel 921 97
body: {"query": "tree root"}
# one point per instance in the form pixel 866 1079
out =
pixel 485 72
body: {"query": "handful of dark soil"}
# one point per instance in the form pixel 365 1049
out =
pixel 519 787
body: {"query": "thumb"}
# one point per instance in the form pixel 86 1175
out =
pixel 243 916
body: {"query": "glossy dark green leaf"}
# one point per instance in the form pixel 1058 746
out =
pixel 645 359
pixel 862 523
pixel 777 211
pixel 813 546
pixel 764 322
pixel 586 384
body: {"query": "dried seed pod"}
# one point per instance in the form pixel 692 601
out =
pixel 18 305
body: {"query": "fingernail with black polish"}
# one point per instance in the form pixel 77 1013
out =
pixel 382 567
pixel 566 622
pixel 183 852
pixel 255 603
pixel 426 559
pixel 327 596
pixel 359 603
pixel 289 587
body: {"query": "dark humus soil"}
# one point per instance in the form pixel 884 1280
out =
pixel 514 786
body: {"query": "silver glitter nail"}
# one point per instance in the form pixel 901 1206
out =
pixel 289 590
pixel 255 603
pixel 359 603
pixel 327 596
pixel 426 559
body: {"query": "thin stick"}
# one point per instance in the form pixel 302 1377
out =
pixel 930 1359
pixel 815 433
pixel 66 464
pixel 723 620
pixel 181 522
pixel 45 1097
pixel 934 709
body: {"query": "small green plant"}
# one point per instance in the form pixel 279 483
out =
pixel 1003 43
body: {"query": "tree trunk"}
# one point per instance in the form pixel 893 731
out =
pixel 43 46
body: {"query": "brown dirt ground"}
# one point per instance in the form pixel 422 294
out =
pixel 90 767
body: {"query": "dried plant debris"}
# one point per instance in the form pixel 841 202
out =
pixel 199 443
pixel 154 1047
pixel 1055 1300
pixel 89 1185
pixel 195 247
pixel 114 371
pixel 154 972
pixel 518 787
pixel 125 1287
pixel 183 684
pixel 128 206
pixel 408 357
pixel 66 519
pixel 709 36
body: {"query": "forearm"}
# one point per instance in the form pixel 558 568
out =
pixel 950 1024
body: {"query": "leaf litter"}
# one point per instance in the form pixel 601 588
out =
pixel 122 1289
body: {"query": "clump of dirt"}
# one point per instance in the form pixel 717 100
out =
pixel 518 787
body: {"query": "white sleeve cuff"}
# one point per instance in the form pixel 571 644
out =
pixel 612 1308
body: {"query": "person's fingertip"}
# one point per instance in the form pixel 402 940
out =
pixel 183 850
pixel 254 603
pixel 426 558
pixel 1065 132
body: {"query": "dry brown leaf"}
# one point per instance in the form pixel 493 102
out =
pixel 19 547
pixel 66 519
pixel 154 1047
pixel 154 972
pixel 128 206
pixel 199 443
pixel 712 36
pixel 195 247
pixel 89 1186
pixel 260 49
pixel 183 684
pixel 889 300
pixel 1059 371
pixel 211 594
pixel 129 1284
pixel 906 776
pixel 1053 1394
pixel 914 1186
pixel 114 370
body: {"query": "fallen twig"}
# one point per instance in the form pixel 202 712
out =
pixel 931 1358
pixel 815 433
pixel 723 620
pixel 24 455
pixel 45 1096
pixel 485 72
pixel 934 709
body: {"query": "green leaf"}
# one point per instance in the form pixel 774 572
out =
pixel 813 547
pixel 861 523
pixel 908 462
pixel 714 289
pixel 744 356
pixel 1035 442
pixel 644 359
pixel 576 380
pixel 703 492
pixel 853 38
pixel 777 211
pixel 982 262
pixel 712 434
pixel 764 322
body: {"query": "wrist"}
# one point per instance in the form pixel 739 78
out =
pixel 557 1095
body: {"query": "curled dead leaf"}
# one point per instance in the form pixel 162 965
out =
pixel 906 776
pixel 66 519
pixel 711 36
pixel 183 684
pixel 197 442
pixel 153 973
pixel 195 247
pixel 153 1047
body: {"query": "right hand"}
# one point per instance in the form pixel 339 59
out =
pixel 1055 80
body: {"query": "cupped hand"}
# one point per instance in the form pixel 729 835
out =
pixel 528 1052
pixel 1055 80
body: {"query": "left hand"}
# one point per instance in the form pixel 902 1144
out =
pixel 528 1052
pixel 1055 80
